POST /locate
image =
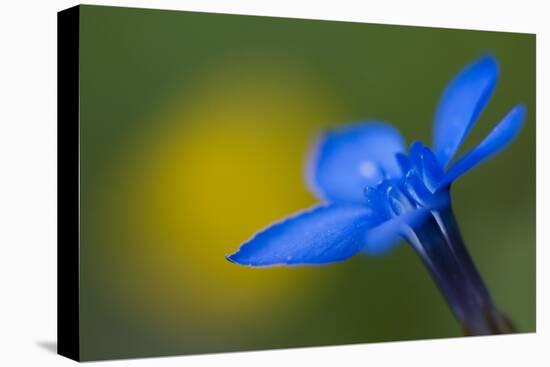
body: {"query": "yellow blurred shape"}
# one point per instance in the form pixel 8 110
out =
pixel 210 172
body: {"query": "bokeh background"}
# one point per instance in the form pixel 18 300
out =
pixel 194 133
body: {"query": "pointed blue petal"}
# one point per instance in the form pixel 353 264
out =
pixel 347 160
pixel 497 140
pixel 398 201
pixel 382 238
pixel 415 187
pixel 324 234
pixel 404 163
pixel 415 155
pixel 461 104
pixel 431 170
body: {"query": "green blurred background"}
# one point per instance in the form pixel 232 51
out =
pixel 194 132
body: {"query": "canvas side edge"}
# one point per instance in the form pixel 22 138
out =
pixel 68 185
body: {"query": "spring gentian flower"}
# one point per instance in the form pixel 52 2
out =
pixel 374 193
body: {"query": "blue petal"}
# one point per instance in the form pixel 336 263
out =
pixel 417 189
pixel 376 200
pixel 347 160
pixel 404 162
pixel 461 104
pixel 432 171
pixel 498 139
pixel 324 234
pixel 415 155
pixel 382 238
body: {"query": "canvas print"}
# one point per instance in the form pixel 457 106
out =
pixel 233 183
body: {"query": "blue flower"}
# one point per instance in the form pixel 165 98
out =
pixel 374 193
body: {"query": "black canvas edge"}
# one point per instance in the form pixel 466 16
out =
pixel 68 183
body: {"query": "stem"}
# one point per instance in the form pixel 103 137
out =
pixel 440 246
